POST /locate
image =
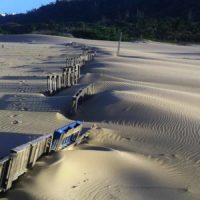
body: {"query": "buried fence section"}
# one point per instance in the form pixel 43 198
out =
pixel 71 62
pixel 88 55
pixel 71 73
pixel 90 90
pixel 54 83
pixel 80 96
pixel 21 159
pixel 91 55
pixel 51 83
pixel 25 156
pixel 39 147
pixel 66 135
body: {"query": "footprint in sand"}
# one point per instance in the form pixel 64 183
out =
pixel 13 116
pixel 79 183
pixel 15 122
pixel 127 138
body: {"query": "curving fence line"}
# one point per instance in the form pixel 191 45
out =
pixel 71 72
pixel 25 156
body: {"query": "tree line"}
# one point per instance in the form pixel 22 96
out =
pixel 166 20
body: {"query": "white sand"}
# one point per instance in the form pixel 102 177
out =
pixel 147 108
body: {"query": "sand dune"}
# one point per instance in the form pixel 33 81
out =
pixel 146 109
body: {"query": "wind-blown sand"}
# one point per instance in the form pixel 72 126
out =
pixel 146 142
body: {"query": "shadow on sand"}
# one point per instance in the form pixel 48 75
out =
pixel 11 140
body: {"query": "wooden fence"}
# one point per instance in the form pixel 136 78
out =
pixel 21 159
pixel 80 96
pixel 71 72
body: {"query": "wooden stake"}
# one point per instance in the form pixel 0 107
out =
pixel 119 44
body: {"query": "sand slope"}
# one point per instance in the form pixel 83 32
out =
pixel 146 108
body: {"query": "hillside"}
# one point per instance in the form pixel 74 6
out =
pixel 172 20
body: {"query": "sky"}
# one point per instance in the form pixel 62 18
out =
pixel 21 6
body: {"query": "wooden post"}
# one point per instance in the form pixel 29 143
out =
pixel 58 85
pixel 79 71
pixel 49 84
pixel 71 62
pixel 75 74
pixel 72 76
pixel 64 79
pixel 60 81
pixel 74 105
pixel 69 77
pixel 76 60
pixel 119 44
pixel 54 83
pixel 67 62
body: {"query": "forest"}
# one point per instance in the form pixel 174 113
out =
pixel 166 20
